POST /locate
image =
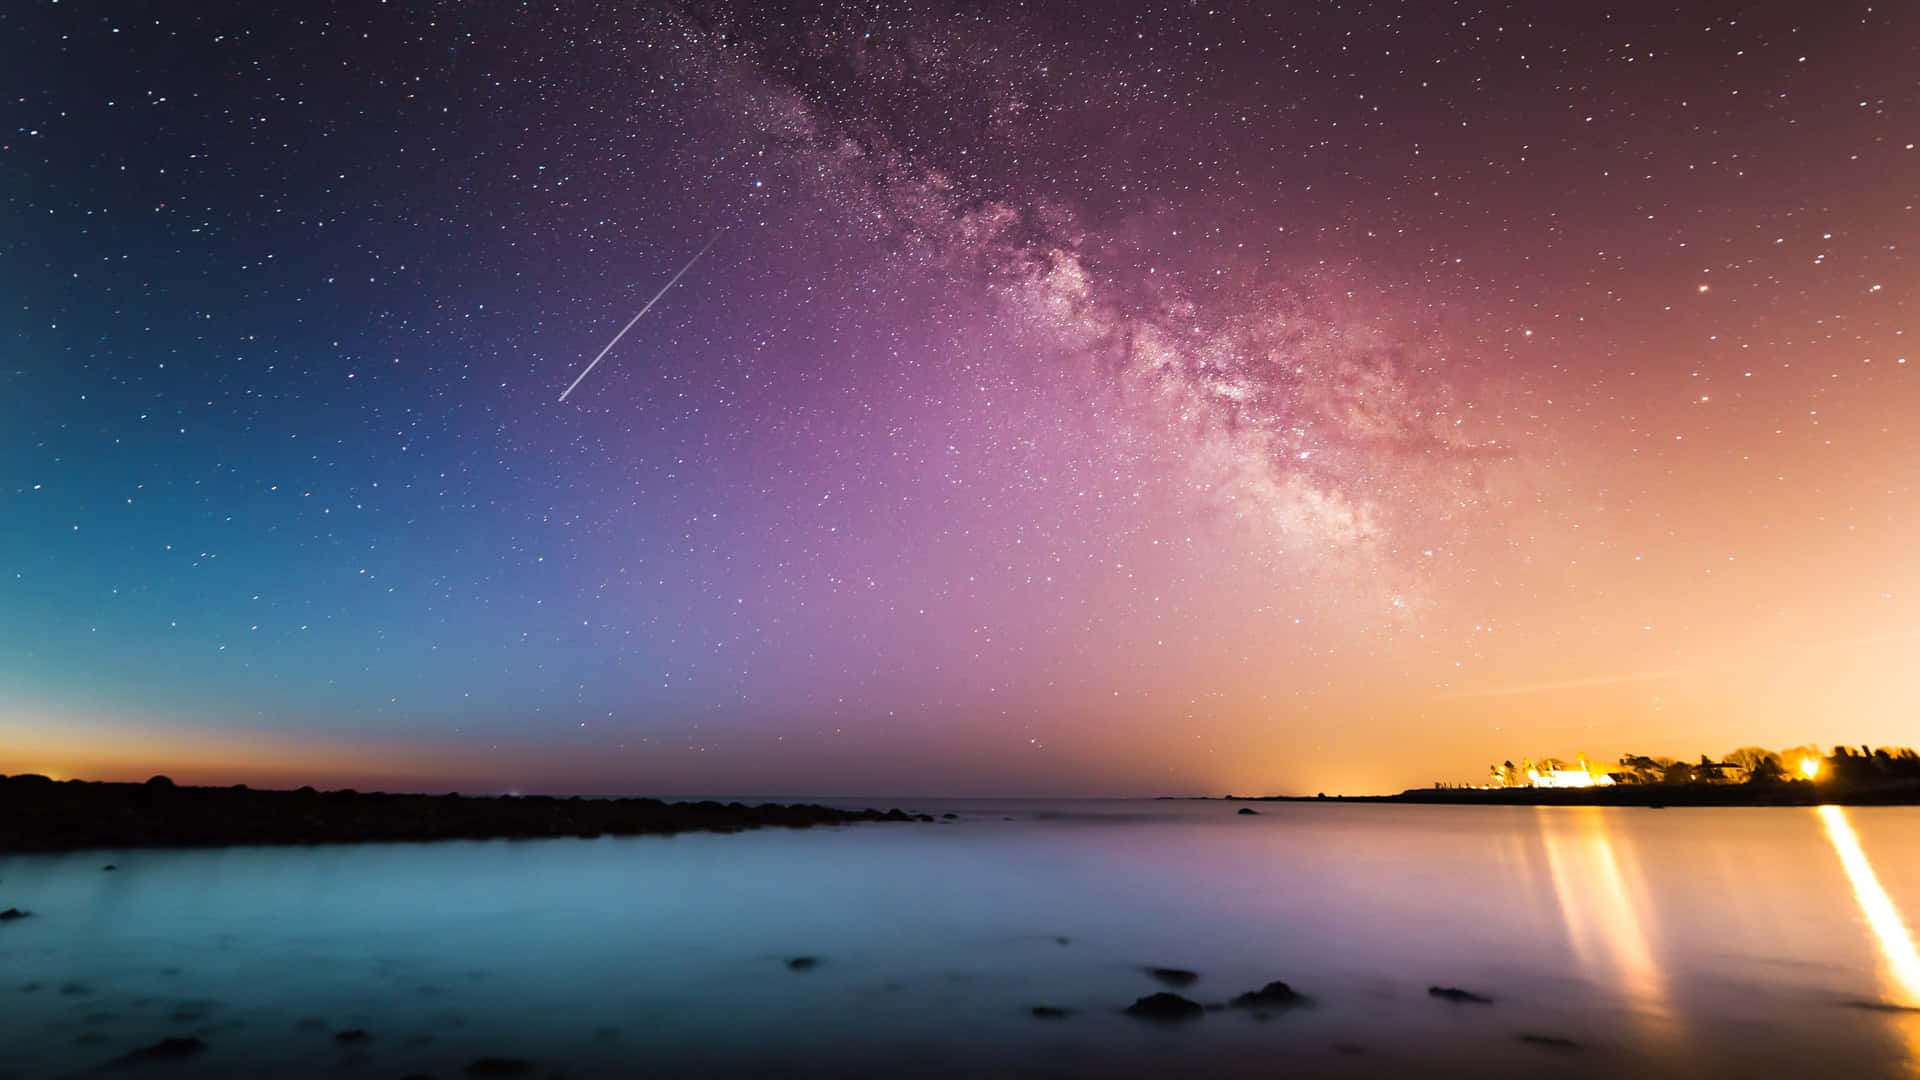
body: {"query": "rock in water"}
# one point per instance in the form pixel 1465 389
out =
pixel 1050 1012
pixel 1275 994
pixel 13 913
pixel 1174 976
pixel 803 963
pixel 1249 810
pixel 1165 1006
pixel 174 1049
pixel 1458 996
pixel 1883 1006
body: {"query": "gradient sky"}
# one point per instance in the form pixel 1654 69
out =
pixel 1075 399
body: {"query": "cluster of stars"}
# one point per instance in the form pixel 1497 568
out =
pixel 1170 371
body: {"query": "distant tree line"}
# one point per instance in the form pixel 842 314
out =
pixel 1865 767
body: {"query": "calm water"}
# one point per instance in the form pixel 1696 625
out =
pixel 1680 942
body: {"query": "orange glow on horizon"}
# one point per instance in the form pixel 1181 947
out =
pixel 127 753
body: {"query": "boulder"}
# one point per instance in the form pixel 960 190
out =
pixel 803 963
pixel 174 1049
pixel 13 913
pixel 1275 994
pixel 1174 976
pixel 1166 1007
pixel 1458 996
pixel 1051 1012
pixel 1883 1006
pixel 1249 810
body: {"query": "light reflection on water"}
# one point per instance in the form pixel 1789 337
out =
pixel 1900 961
pixel 1889 930
pixel 1673 943
pixel 1603 909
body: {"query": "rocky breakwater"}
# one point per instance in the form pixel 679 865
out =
pixel 39 814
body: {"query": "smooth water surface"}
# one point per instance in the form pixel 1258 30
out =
pixel 1679 942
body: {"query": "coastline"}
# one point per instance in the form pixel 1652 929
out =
pixel 1798 793
pixel 38 814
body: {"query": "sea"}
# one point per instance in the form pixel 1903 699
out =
pixel 1680 942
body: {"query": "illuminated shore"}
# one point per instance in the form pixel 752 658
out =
pixel 1789 793
pixel 39 814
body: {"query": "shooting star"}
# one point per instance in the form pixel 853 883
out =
pixel 636 318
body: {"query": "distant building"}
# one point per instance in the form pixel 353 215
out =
pixel 1567 778
pixel 1549 773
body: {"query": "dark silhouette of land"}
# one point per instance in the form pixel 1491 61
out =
pixel 1749 776
pixel 39 814
pixel 1787 793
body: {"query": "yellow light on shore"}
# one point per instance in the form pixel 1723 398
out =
pixel 1810 766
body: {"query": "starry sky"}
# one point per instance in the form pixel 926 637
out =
pixel 1074 399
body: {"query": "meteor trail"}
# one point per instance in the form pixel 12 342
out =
pixel 636 318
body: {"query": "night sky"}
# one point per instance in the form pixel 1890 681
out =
pixel 1074 399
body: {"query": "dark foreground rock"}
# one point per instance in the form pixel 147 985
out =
pixel 37 814
pixel 176 1049
pixel 13 913
pixel 1883 1006
pixel 1174 976
pixel 1165 1006
pixel 1458 996
pixel 1248 810
pixel 1274 995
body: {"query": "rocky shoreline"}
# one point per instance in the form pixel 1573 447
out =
pixel 38 814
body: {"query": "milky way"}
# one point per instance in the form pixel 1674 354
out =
pixel 1137 399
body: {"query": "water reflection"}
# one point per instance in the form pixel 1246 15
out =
pixel 1669 945
pixel 1889 930
pixel 1602 911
